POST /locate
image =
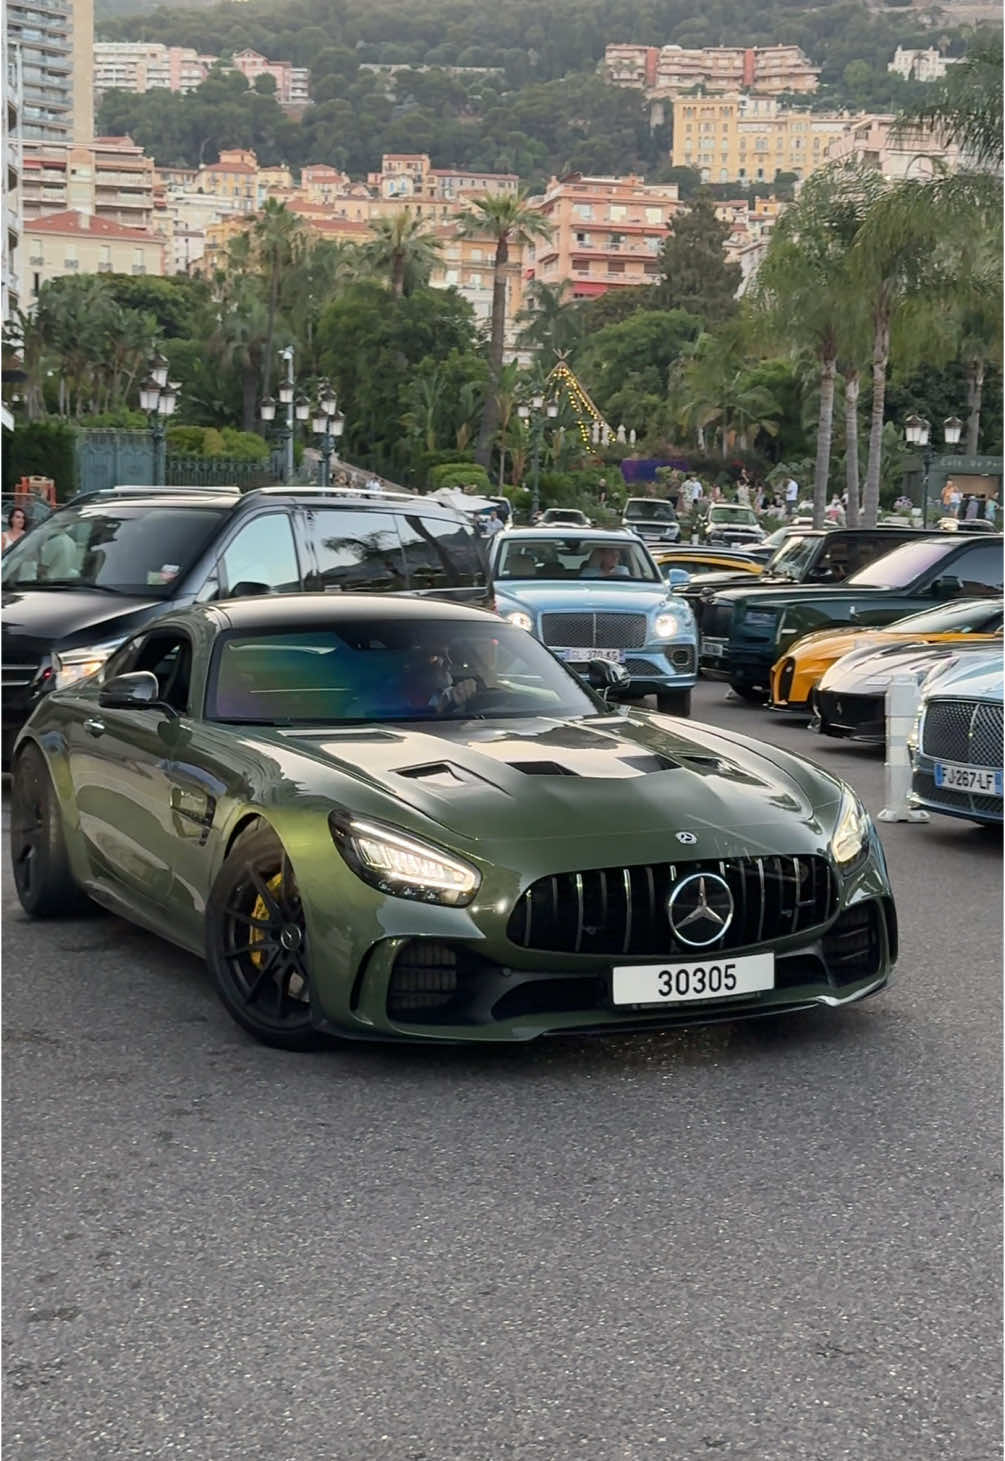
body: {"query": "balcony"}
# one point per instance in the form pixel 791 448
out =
pixel 71 264
pixel 104 266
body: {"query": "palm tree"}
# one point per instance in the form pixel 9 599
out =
pixel 275 234
pixel 897 261
pixel 26 336
pixel 806 285
pixel 506 219
pixel 402 249
pixel 239 341
pixel 552 323
pixel 423 399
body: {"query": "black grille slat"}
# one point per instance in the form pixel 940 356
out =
pixel 624 910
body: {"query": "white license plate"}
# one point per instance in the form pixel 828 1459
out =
pixel 716 977
pixel 713 648
pixel 986 782
pixel 581 656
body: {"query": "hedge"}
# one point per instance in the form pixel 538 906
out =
pixel 41 449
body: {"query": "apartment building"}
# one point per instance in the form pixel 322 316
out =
pixel 55 40
pixel 930 65
pixel 408 176
pixel 10 195
pixel 147 66
pixel 468 265
pixel 293 83
pixel 875 141
pixel 233 178
pixel 111 177
pixel 606 233
pixel 320 183
pixel 79 243
pixel 746 139
pixel 670 70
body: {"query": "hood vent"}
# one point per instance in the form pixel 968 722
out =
pixel 649 763
pixel 540 768
pixel 437 773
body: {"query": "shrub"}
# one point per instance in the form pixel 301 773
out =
pixel 41 449
pixel 121 419
pixel 459 474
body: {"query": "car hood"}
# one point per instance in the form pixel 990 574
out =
pixel 870 669
pixel 586 596
pixel 65 617
pixel 982 679
pixel 794 593
pixel 636 777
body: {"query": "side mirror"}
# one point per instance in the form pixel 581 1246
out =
pixel 248 588
pixel 677 578
pixel 607 678
pixel 136 691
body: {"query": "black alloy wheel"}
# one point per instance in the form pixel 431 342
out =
pixel 39 859
pixel 256 943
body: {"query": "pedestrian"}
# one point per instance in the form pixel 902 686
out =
pixel 973 509
pixel 990 510
pixel 835 512
pixel 17 526
pixel 791 496
pixel 691 490
pixel 493 524
pixel 743 488
pixel 955 498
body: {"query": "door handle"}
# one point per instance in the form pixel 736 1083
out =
pixel 94 727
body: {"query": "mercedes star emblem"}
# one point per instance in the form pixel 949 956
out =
pixel 700 909
pixel 688 838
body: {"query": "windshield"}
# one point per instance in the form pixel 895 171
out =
pixel 565 515
pixel 126 550
pixel 385 670
pixel 902 566
pixel 649 510
pixel 792 558
pixel 972 616
pixel 566 558
pixel 745 515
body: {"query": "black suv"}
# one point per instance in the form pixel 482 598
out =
pixel 104 566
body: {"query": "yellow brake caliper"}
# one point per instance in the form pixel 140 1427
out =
pixel 261 912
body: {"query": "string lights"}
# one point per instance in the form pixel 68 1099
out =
pixel 562 378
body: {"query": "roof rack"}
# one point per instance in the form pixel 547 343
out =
pixel 128 490
pixel 375 493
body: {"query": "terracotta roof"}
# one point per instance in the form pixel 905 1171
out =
pixel 239 167
pixel 464 172
pixel 83 224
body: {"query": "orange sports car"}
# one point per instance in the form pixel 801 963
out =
pixel 794 676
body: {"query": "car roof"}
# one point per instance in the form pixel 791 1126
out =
pixel 561 533
pixel 231 496
pixel 280 611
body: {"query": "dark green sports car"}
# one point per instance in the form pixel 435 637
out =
pixel 391 818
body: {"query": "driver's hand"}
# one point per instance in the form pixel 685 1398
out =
pixel 463 690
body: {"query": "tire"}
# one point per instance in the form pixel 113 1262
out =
pixel 255 902
pixel 674 702
pixel 39 859
pixel 748 692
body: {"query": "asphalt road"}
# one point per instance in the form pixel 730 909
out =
pixel 746 1242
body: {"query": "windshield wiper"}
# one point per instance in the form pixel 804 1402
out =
pixel 64 583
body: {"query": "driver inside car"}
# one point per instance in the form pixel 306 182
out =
pixel 429 684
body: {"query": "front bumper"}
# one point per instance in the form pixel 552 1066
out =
pixel 946 802
pixel 455 976
pixel 850 717
pixel 663 666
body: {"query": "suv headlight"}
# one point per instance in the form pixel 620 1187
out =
pixel 520 620
pixel 78 664
pixel 851 834
pixel 403 866
pixel 665 626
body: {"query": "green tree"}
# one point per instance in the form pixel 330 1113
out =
pixel 626 367
pixel 275 236
pixel 695 274
pixel 403 249
pixel 506 219
pixel 552 323
pixel 806 285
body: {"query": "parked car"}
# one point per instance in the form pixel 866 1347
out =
pixel 730 524
pixel 651 519
pixel 794 676
pixel 100 569
pixel 596 594
pixel 700 558
pixel 745 631
pixel 564 517
pixel 956 742
pixel 402 819
pixel 850 700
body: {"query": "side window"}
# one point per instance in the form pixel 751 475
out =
pixel 863 551
pixel 833 561
pixel 978 569
pixel 357 551
pixel 262 558
pixel 168 655
pixel 441 553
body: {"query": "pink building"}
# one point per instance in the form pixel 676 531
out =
pixel 292 82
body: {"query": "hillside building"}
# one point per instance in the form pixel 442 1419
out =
pixel 72 242
pixel 111 178
pixel 55 40
pixel 745 139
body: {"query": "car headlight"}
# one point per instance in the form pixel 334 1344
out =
pixel 403 866
pixel 520 620
pixel 665 626
pixel 851 834
pixel 79 664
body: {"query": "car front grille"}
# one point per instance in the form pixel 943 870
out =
pixel 716 620
pixel 624 910
pixel 22 673
pixel 594 631
pixel 923 786
pixel 785 679
pixel 968 732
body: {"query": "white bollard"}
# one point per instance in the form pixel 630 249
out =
pixel 902 696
